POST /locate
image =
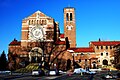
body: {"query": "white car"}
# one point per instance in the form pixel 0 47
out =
pixel 53 72
pixel 90 72
pixel 5 72
pixel 61 72
pixel 79 70
pixel 35 72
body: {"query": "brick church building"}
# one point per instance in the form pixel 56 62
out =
pixel 41 40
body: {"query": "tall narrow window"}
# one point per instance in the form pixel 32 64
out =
pixel 67 17
pixel 101 47
pixel 37 22
pixel 42 22
pixel 106 54
pixel 70 16
pixel 106 47
pixel 110 47
pixel 32 21
pixel 97 47
pixel 101 54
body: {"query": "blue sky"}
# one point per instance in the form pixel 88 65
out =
pixel 94 18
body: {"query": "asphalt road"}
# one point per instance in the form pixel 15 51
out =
pixel 27 76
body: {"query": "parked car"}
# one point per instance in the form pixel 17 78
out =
pixel 90 72
pixel 52 72
pixel 79 70
pixel 109 76
pixel 61 72
pixel 5 72
pixel 37 72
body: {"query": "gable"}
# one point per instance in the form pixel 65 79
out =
pixel 38 15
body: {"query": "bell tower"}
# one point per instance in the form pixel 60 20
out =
pixel 69 25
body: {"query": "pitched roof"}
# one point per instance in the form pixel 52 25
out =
pixel 82 49
pixel 105 43
pixel 41 14
pixel 15 42
pixel 61 35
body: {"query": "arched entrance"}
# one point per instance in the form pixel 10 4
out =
pixel 94 65
pixel 105 62
pixel 35 55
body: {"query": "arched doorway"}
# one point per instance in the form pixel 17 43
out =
pixel 35 55
pixel 105 62
pixel 94 65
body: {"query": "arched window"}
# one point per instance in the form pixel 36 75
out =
pixel 70 16
pixel 97 47
pixel 29 22
pixel 101 54
pixel 67 17
pixel 42 22
pixel 106 47
pixel 37 22
pixel 32 22
pixel 106 54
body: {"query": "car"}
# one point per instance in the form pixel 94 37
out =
pixel 90 72
pixel 79 70
pixel 37 72
pixel 61 72
pixel 109 76
pixel 5 72
pixel 53 72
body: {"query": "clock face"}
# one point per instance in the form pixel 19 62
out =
pixel 37 32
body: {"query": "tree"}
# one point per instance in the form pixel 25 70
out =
pixel 117 66
pixel 3 61
pixel 51 51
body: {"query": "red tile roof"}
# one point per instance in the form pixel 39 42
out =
pixel 15 42
pixel 93 58
pixel 105 43
pixel 61 35
pixel 82 49
pixel 60 42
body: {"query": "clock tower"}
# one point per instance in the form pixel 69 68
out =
pixel 69 25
